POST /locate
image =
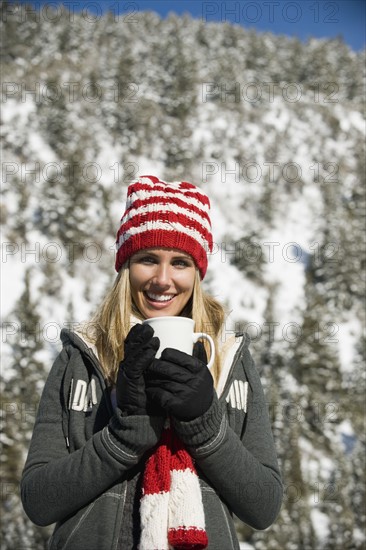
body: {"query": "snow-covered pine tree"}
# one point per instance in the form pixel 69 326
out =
pixel 24 379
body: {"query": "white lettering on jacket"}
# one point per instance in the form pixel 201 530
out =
pixel 238 395
pixel 84 396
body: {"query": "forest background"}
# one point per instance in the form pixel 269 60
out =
pixel 273 129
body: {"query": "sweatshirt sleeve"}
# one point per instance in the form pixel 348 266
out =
pixel 56 483
pixel 243 471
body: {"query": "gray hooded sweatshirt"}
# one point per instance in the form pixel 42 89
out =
pixel 85 460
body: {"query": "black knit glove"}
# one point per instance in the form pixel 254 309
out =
pixel 140 348
pixel 180 384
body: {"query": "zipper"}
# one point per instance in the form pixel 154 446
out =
pixel 236 357
pixel 121 508
pixel 227 524
pixel 88 352
pixel 95 362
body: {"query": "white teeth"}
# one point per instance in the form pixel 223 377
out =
pixel 160 297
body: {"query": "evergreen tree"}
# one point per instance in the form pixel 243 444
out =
pixel 20 396
pixel 314 383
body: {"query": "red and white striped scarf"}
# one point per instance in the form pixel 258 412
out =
pixel 171 508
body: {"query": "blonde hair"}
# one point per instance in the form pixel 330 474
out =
pixel 109 327
pixel 209 316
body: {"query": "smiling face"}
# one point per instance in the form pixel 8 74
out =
pixel 162 281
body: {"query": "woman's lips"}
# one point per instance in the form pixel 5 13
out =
pixel 159 301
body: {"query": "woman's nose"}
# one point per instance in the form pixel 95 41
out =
pixel 162 275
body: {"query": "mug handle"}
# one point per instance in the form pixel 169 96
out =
pixel 197 336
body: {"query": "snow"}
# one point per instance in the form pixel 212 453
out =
pixel 244 299
pixel 316 465
pixel 12 283
pixel 354 119
pixel 277 117
pixel 347 335
pixel 321 521
pixel 346 435
pixel 230 145
pixel 16 111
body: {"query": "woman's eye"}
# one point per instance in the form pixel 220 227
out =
pixel 181 263
pixel 147 260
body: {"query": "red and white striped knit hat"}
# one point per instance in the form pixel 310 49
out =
pixel 165 215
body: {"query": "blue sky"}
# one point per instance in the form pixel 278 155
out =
pixel 301 18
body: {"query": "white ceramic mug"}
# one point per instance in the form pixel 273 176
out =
pixel 178 333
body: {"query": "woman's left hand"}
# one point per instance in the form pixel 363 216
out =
pixel 180 384
pixel 140 348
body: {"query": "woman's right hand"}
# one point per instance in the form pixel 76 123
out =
pixel 140 348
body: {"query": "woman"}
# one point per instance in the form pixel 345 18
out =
pixel 101 428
